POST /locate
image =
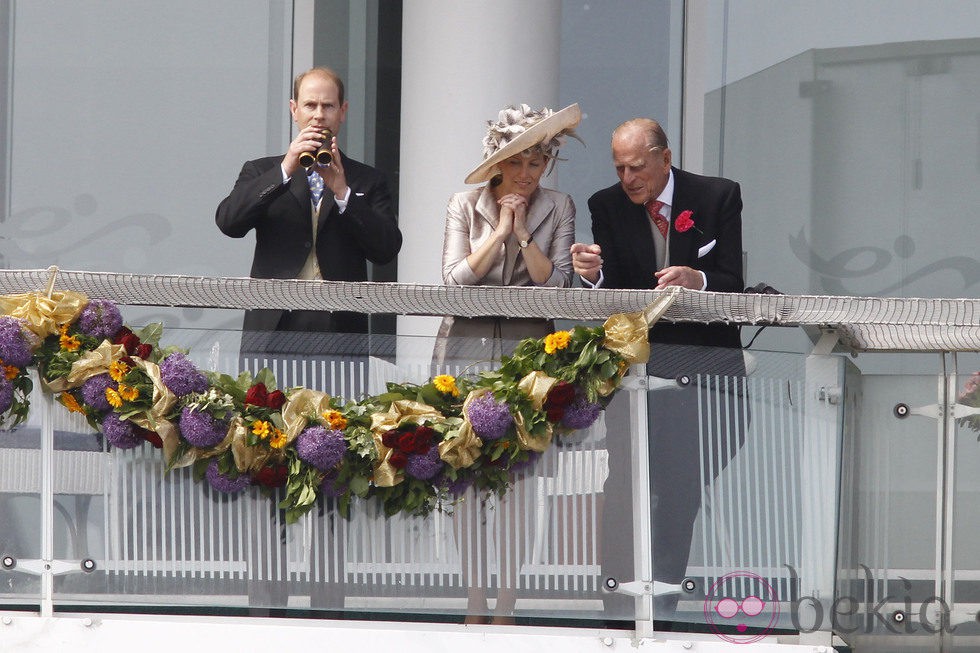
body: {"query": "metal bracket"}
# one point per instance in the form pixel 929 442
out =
pixel 37 567
pixel 641 587
pixel 830 394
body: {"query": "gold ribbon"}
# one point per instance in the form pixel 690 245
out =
pixel 44 314
pixel 461 449
pixel 537 385
pixel 300 404
pixel 247 457
pixel 89 364
pixel 626 333
pixel 163 401
pixel 530 442
pixel 400 412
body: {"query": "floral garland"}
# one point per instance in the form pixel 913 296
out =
pixel 413 448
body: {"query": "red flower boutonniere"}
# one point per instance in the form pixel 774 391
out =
pixel 684 222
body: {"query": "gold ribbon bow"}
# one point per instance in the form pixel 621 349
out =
pixel 626 333
pixel 400 412
pixel 89 364
pixel 462 448
pixel 154 418
pixel 43 314
pixel 536 386
pixel 300 404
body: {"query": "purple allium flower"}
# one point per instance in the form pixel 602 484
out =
pixel 179 374
pixel 120 433
pixel 489 418
pixel 201 429
pixel 100 319
pixel 581 414
pixel 329 487
pixel 424 466
pixel 14 348
pixel 6 394
pixel 321 447
pixel 93 392
pixel 223 482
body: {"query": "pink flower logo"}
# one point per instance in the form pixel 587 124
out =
pixel 684 221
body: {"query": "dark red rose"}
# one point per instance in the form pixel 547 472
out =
pixel 555 414
pixel 423 439
pixel 257 395
pixel 272 476
pixel 150 436
pixel 390 438
pixel 275 400
pixel 406 442
pixel 398 460
pixel 120 335
pixel 129 341
pixel 560 396
pixel 143 350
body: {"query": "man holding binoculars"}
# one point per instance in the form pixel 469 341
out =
pixel 323 221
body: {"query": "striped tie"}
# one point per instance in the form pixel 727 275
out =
pixel 653 208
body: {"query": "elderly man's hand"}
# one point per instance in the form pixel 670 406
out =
pixel 587 261
pixel 679 275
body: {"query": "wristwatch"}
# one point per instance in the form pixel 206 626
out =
pixel 525 243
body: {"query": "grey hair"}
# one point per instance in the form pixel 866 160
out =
pixel 655 136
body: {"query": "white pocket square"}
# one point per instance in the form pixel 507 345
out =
pixel 707 248
pixel 359 194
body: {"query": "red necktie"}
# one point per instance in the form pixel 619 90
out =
pixel 653 208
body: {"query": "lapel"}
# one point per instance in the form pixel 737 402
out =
pixel 680 249
pixel 637 231
pixel 539 208
pixel 486 207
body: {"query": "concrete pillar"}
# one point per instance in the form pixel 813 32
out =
pixel 462 62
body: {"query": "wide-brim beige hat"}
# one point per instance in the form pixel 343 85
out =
pixel 542 131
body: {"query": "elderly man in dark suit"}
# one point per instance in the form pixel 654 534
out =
pixel 661 226
pixel 322 222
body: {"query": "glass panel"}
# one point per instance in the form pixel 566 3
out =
pixel 965 522
pixel 755 455
pixel 888 561
pixel 20 514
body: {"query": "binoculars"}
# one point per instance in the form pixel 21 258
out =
pixel 322 155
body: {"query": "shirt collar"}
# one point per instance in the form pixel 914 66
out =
pixel 667 194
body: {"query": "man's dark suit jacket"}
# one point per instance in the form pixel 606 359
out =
pixel 622 229
pixel 281 215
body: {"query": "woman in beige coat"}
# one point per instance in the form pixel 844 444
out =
pixel 508 232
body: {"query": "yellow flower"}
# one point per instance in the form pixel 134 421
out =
pixel 118 370
pixel 446 384
pixel 335 420
pixel 278 439
pixel 68 400
pixel 127 392
pixel 10 372
pixel 113 397
pixel 261 428
pixel 69 343
pixel 556 341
